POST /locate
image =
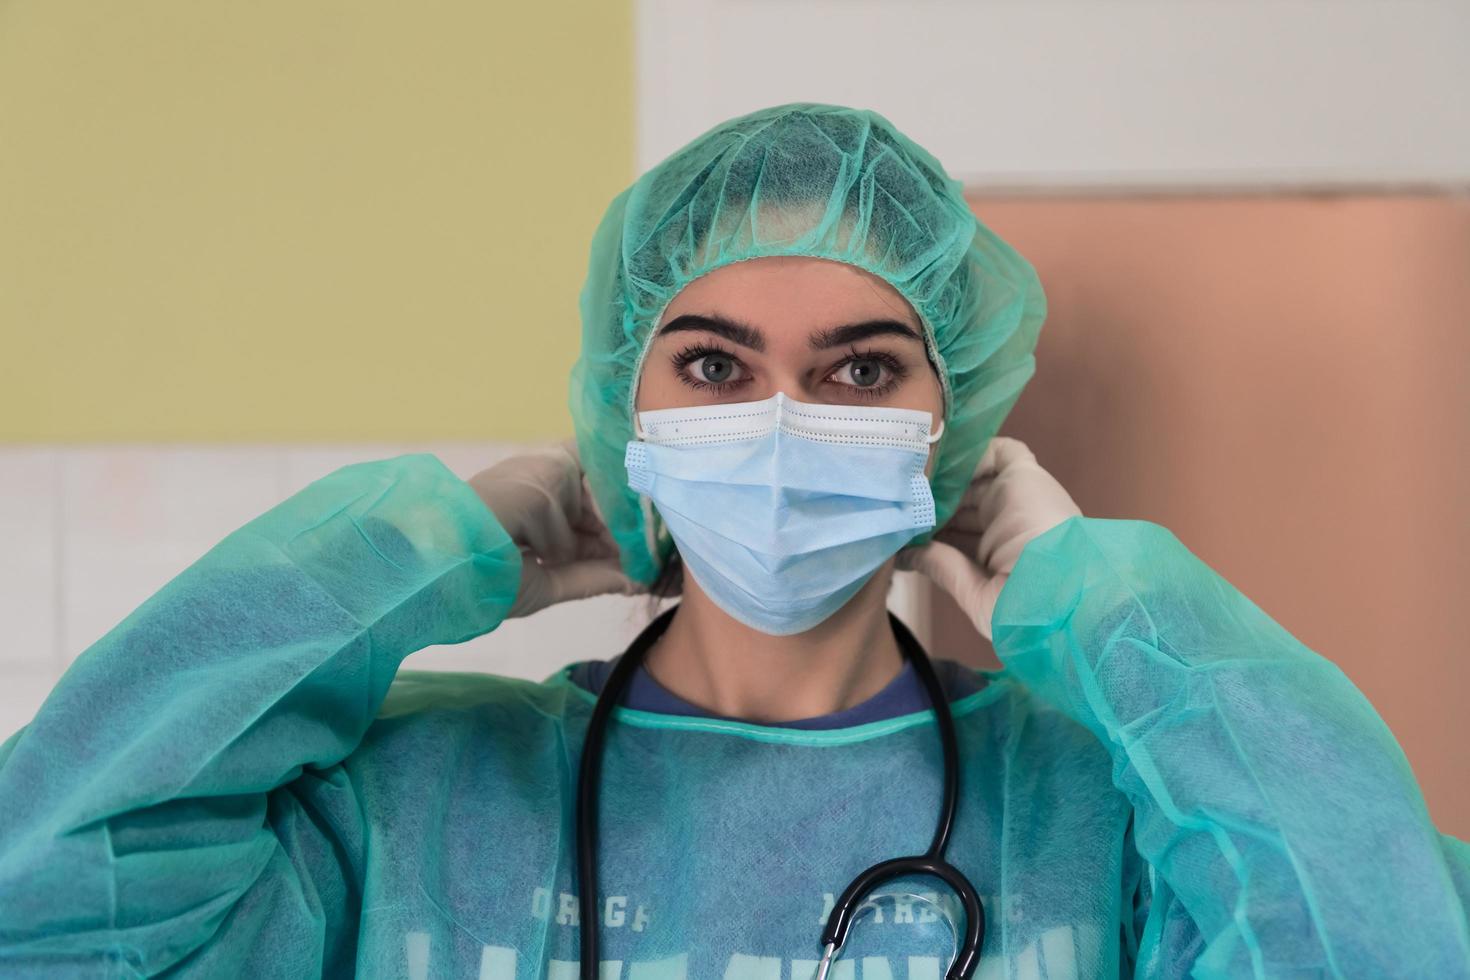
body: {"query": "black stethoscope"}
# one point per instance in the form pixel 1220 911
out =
pixel 834 935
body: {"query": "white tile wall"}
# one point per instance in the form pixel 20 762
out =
pixel 90 532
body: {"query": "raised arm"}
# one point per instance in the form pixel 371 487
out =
pixel 1286 833
pixel 1270 797
pixel 178 795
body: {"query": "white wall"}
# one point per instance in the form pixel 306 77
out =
pixel 1049 93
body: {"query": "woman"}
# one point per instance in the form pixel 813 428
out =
pixel 798 345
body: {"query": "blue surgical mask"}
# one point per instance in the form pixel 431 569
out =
pixel 781 510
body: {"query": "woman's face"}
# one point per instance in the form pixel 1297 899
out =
pixel 816 330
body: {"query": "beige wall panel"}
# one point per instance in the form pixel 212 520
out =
pixel 1284 382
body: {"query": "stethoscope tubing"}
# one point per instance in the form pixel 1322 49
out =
pixel 932 862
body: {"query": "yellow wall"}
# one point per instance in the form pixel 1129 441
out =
pixel 301 220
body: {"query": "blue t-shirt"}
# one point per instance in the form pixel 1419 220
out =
pixel 903 695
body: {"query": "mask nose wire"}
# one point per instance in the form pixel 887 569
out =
pixel 642 436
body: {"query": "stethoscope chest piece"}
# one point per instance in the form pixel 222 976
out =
pixel 839 922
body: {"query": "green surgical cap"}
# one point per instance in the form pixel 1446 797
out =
pixel 800 179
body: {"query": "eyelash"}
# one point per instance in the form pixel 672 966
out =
pixel 896 369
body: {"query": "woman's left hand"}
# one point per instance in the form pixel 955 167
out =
pixel 1010 500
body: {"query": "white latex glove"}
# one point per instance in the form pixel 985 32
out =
pixel 1010 500
pixel 544 504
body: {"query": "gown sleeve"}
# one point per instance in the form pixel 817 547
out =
pixel 178 804
pixel 1280 823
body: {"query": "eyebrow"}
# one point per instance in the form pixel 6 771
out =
pixel 748 336
pixel 732 330
pixel 853 332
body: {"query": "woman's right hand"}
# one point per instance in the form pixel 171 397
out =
pixel 1010 501
pixel 544 505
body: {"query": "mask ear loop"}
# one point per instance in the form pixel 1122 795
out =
pixel 655 531
pixel 932 439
